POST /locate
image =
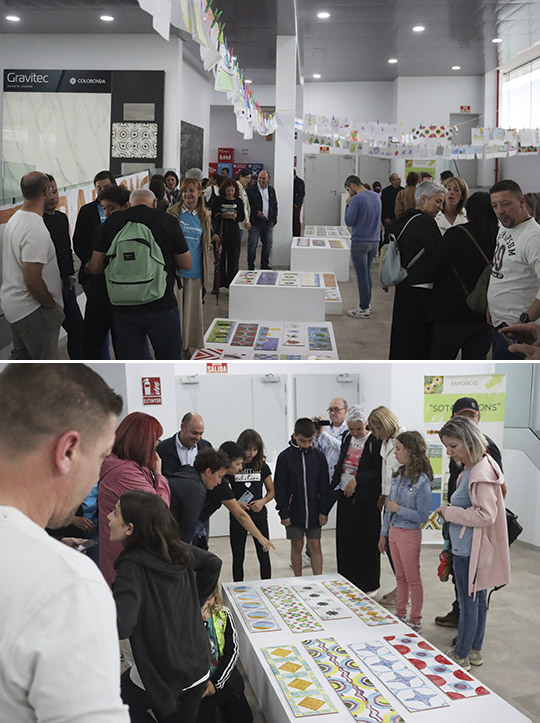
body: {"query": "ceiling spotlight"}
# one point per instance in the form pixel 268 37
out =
pixel 497 40
pixel 456 67
pixel 392 60
pixel 247 81
pixel 106 18
pixel 418 29
pixel 13 18
pixel 317 76
pixel 323 15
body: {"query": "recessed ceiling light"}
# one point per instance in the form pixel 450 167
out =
pixel 13 18
pixel 418 28
pixel 323 15
pixel 497 40
pixel 106 18
pixel 456 67
pixel 247 81
pixel 392 60
pixel 316 76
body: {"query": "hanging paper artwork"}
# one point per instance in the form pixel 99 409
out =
pixel 370 612
pixel 294 613
pixel 255 613
pixel 449 677
pixel 302 690
pixel 406 684
pixel 362 699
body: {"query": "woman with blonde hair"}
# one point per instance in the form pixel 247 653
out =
pixel 453 213
pixel 383 423
pixel 478 533
pixel 194 220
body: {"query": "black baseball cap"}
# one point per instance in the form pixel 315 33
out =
pixel 465 404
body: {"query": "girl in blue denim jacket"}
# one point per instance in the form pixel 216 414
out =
pixel 407 508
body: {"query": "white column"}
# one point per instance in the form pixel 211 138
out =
pixel 173 104
pixel 284 146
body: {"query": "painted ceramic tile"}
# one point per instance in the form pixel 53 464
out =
pixel 268 339
pixel 319 338
pixel 245 335
pixel 293 335
pixel 134 140
pixel 221 331
pixel 289 278
pixel 266 356
pixel 331 231
pixel 336 243
pixel 331 293
pixel 362 699
pixel 329 280
pixel 310 230
pixel 370 612
pixel 318 243
pixel 303 692
pixel 343 231
pixel 303 242
pixel 321 230
pixel 449 677
pixel 310 279
pixel 246 277
pixel 294 613
pixel 267 278
pixel 406 684
pixel 256 614
pixel 321 601
pixel 208 353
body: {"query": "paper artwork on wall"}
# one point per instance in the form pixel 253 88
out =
pixel 303 692
pixel 294 613
pixel 406 684
pixel 440 670
pixel 134 140
pixel 321 602
pixel 255 613
pixel 370 612
pixel 362 699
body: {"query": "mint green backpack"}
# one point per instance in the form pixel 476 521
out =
pixel 135 273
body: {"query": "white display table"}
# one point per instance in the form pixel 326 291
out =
pixel 289 296
pixel 248 339
pixel 352 630
pixel 328 254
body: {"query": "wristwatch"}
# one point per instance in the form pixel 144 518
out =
pixel 524 318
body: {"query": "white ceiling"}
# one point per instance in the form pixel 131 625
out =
pixel 354 44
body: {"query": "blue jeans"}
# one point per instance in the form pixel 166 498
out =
pixel 499 349
pixel 161 327
pixel 362 254
pixel 265 232
pixel 472 612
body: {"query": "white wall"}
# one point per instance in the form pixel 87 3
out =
pixel 357 101
pixel 431 100
pixel 523 496
pixel 194 97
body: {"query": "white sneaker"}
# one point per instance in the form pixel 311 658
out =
pixel 359 313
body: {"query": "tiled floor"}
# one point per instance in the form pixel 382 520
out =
pixel 512 644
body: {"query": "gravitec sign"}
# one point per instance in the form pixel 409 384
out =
pixel 57 81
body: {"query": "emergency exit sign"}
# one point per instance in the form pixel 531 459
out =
pixel 464 108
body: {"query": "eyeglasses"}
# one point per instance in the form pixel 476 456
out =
pixel 335 409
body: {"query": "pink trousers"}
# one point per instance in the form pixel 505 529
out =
pixel 405 551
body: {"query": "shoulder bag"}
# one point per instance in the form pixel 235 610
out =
pixel 476 299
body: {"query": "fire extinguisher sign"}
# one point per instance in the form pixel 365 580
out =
pixel 151 390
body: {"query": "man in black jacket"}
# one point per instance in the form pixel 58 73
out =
pixel 388 198
pixel 264 211
pixel 464 407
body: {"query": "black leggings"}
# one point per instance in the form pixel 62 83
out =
pixel 238 536
pixel 139 702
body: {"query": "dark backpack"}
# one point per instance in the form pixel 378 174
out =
pixel 135 273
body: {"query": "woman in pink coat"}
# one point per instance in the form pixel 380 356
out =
pixel 133 465
pixel 478 534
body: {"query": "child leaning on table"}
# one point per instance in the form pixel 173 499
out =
pixel 225 687
pixel 303 494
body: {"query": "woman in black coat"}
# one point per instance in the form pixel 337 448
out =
pixel 357 482
pixel 455 268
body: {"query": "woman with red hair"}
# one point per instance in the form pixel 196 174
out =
pixel 132 465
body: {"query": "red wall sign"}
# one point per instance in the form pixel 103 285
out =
pixel 225 155
pixel 464 108
pixel 216 368
pixel 151 390
pixel 324 149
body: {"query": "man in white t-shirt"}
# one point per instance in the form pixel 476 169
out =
pixel 60 655
pixel 514 286
pixel 31 293
pixel 328 438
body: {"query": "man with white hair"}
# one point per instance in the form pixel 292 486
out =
pixel 328 437
pixel 417 237
pixel 142 248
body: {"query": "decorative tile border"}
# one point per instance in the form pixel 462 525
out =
pixel 370 612
pixel 257 616
pixel 440 670
pixel 294 613
pixel 301 688
pixel 321 602
pixel 362 699
pixel 406 684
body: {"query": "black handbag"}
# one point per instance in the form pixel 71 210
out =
pixel 476 299
pixel 514 528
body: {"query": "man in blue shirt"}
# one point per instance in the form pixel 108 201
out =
pixel 363 215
